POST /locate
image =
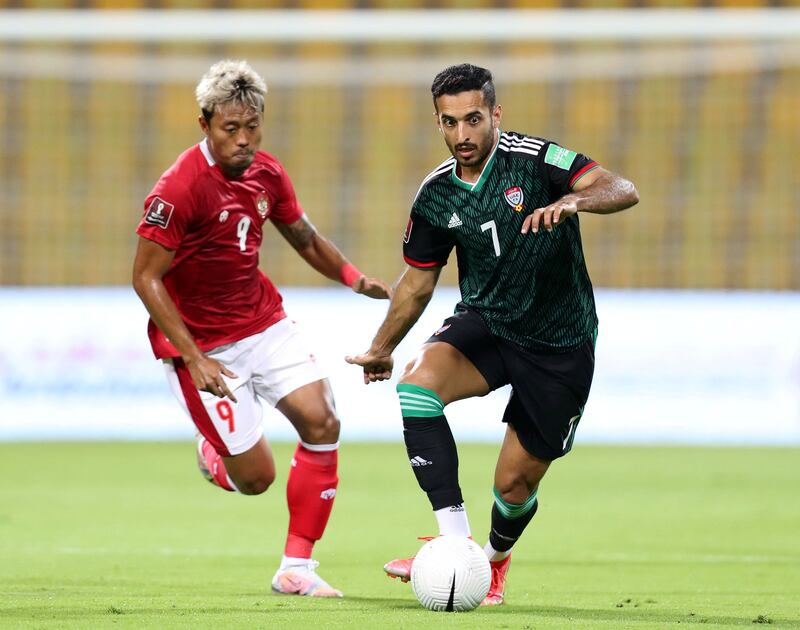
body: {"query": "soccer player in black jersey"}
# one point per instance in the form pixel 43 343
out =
pixel 508 203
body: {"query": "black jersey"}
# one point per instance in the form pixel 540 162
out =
pixel 531 289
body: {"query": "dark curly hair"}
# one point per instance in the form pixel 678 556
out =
pixel 464 78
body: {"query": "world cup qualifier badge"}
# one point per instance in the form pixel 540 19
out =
pixel 262 205
pixel 514 198
pixel 159 213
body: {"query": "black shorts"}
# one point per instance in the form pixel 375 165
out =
pixel 549 391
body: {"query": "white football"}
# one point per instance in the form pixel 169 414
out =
pixel 451 573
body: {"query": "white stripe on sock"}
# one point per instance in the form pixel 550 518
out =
pixel 493 554
pixel 320 448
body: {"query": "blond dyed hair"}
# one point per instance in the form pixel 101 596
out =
pixel 227 81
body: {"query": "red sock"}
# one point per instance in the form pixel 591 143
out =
pixel 310 492
pixel 216 466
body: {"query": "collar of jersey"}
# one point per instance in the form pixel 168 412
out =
pixel 203 144
pixel 487 169
pixel 206 152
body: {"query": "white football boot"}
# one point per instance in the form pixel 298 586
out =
pixel 302 579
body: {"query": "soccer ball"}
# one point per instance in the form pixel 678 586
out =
pixel 451 573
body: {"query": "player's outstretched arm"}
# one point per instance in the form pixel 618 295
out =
pixel 599 191
pixel 326 258
pixel 411 295
pixel 151 263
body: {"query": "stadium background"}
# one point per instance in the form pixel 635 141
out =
pixel 698 292
pixel 707 128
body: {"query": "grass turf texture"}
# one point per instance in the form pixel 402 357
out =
pixel 127 535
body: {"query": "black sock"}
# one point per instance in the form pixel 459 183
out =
pixel 509 521
pixel 434 459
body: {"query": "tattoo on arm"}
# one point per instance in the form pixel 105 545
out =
pixel 299 234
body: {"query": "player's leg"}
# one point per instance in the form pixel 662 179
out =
pixel 291 380
pixel 550 392
pixel 313 477
pixel 252 471
pixel 438 375
pixel 516 483
pixel 232 452
pixel 311 487
pixel 458 361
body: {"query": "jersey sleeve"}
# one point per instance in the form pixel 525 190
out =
pixel 168 211
pixel 424 245
pixel 563 168
pixel 286 209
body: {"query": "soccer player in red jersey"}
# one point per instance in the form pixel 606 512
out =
pixel 218 324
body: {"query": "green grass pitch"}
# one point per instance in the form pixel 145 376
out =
pixel 127 535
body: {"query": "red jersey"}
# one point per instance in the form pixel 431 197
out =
pixel 215 224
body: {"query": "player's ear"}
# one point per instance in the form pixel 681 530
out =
pixel 203 123
pixel 497 115
pixel 437 122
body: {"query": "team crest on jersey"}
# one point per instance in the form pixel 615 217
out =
pixel 407 235
pixel 262 204
pixel 159 213
pixel 514 198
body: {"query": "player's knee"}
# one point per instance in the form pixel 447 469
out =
pixel 417 373
pixel 423 373
pixel 256 484
pixel 512 488
pixel 413 375
pixel 324 431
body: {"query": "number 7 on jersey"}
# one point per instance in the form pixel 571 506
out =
pixel 491 225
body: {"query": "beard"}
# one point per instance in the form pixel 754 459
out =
pixel 473 160
pixel 480 152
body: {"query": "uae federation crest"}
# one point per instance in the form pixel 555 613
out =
pixel 514 198
pixel 262 205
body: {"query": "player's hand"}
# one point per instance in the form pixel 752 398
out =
pixel 550 216
pixel 377 366
pixel 372 287
pixel 207 375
